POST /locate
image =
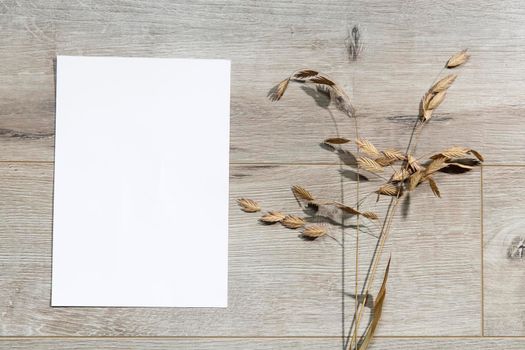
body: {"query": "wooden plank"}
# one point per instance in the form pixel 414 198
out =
pixel 261 344
pixel 279 284
pixel 504 284
pixel 404 50
pixel 271 290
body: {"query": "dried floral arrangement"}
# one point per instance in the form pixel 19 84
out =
pixel 402 170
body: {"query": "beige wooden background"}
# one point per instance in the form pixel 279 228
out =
pixel 451 284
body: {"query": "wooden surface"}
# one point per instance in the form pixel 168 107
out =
pixel 451 284
pixel 260 344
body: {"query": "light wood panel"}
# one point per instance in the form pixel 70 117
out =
pixel 504 276
pixel 279 284
pixel 274 289
pixel 405 46
pixel 261 344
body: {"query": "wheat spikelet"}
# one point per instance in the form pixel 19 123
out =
pixel 369 165
pixel 314 231
pixel 424 112
pixel 477 155
pixel 347 209
pixel 336 140
pixel 457 152
pixel 457 59
pixel 434 187
pixel 389 189
pixel 400 175
pixel 429 103
pixel 426 99
pixel 414 180
pixel 370 215
pixel 452 152
pixel 320 79
pixel 292 221
pixel 435 165
pixel 393 154
pixel 302 194
pixel 367 147
pixel 436 100
pixel 312 76
pixel 248 205
pixel 385 161
pixel 443 84
pixel 272 217
pixel 278 92
pixel 413 163
pixel 305 73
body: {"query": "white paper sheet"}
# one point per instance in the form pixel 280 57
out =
pixel 141 182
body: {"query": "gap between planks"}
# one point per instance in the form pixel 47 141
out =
pixel 482 248
pixel 436 337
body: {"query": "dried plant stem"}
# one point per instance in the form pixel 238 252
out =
pixel 387 224
pixel 352 340
pixel 415 131
pixel 356 289
pixel 343 296
pixel 438 75
pixel 419 127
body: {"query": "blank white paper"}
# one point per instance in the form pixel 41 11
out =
pixel 141 182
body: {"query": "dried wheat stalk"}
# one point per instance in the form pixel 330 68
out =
pixel 411 183
pixel 409 175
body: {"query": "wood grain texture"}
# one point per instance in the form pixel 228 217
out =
pixel 504 282
pixel 405 46
pixel 274 288
pixel 279 284
pixel 260 344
